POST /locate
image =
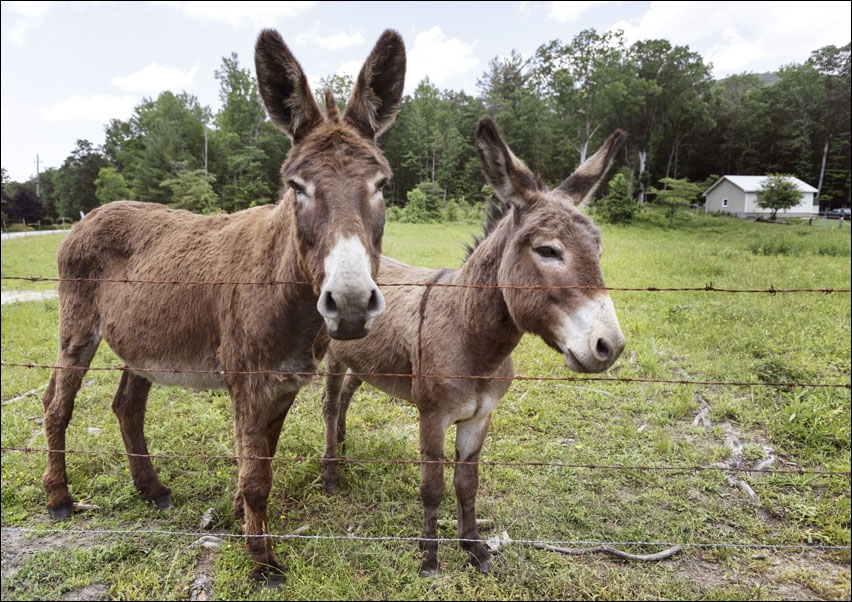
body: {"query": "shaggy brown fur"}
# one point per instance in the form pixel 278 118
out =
pixel 230 334
pixel 471 329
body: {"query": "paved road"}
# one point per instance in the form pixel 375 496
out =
pixel 11 235
pixel 18 296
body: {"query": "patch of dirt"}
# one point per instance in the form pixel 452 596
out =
pixel 98 591
pixel 807 576
pixel 19 547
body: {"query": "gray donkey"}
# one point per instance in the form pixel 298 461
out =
pixel 535 270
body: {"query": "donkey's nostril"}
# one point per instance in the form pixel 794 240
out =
pixel 603 348
pixel 376 304
pixel 328 304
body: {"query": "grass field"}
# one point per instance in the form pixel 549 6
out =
pixel 651 453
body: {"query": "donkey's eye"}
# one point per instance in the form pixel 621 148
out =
pixel 548 252
pixel 297 188
pixel 381 184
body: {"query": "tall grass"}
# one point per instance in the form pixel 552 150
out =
pixel 642 426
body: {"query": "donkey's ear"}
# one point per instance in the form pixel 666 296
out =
pixel 284 87
pixel 581 184
pixel 511 180
pixel 378 90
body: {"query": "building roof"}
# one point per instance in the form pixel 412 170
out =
pixel 753 183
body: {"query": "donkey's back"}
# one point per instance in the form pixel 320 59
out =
pixel 156 284
pixel 127 237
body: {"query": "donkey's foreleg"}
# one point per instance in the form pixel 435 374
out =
pixel 257 424
pixel 336 396
pixel 75 355
pixel 350 385
pixel 330 413
pixel 470 435
pixel 433 434
pixel 129 404
pixel 278 412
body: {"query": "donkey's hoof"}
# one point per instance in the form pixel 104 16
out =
pixel 480 559
pixel 482 565
pixel 329 488
pixel 429 571
pixel 62 512
pixel 163 502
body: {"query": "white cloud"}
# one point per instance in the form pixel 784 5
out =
pixel 155 77
pixel 350 68
pixel 745 36
pixel 98 107
pixel 438 57
pixel 17 34
pixel 568 12
pixel 30 15
pixel 245 13
pixel 334 41
pixel 31 10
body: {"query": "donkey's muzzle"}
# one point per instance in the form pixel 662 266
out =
pixel 591 337
pixel 349 299
pixel 350 316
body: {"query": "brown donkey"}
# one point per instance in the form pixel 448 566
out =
pixel 244 301
pixel 537 270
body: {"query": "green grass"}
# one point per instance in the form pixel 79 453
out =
pixel 28 257
pixel 690 336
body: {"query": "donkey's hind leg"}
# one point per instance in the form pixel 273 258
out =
pixel 75 355
pixel 129 405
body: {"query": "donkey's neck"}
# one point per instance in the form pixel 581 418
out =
pixel 286 243
pixel 488 325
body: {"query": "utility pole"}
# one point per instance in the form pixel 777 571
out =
pixel 38 193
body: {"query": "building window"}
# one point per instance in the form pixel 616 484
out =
pixel 724 202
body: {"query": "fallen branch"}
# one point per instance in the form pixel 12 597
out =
pixel 608 550
pixel 25 395
pixel 299 530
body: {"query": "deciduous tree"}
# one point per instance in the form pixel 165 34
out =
pixel 675 195
pixel 778 192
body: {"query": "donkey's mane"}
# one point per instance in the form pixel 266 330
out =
pixel 495 211
pixel 331 111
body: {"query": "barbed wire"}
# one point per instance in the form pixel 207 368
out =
pixel 798 470
pixel 654 289
pixel 363 375
pixel 443 540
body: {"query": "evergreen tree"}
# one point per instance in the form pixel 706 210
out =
pixel 617 206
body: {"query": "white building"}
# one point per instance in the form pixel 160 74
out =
pixel 738 195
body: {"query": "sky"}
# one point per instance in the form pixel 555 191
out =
pixel 68 68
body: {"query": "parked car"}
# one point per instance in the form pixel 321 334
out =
pixel 845 213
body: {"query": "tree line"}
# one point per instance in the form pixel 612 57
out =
pixel 554 109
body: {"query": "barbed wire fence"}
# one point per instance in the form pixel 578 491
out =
pixel 708 288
